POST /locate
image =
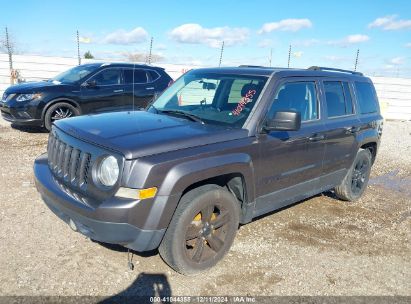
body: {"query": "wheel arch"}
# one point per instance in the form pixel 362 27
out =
pixel 233 171
pixel 57 100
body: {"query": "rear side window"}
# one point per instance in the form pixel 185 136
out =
pixel 338 98
pixel 367 101
pixel 153 75
pixel 140 76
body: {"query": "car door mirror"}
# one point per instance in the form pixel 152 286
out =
pixel 90 84
pixel 284 121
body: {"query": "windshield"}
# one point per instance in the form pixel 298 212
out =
pixel 75 74
pixel 213 98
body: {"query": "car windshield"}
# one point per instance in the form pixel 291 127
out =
pixel 218 99
pixel 75 74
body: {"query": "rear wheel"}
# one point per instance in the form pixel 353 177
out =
pixel 356 180
pixel 59 111
pixel 201 231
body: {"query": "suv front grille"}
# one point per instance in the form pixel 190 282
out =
pixel 68 162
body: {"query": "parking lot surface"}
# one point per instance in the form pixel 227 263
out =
pixel 321 246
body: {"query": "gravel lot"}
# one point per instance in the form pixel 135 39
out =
pixel 321 246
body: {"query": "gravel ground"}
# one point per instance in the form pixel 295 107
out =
pixel 321 246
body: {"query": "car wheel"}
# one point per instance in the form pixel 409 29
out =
pixel 201 231
pixel 356 180
pixel 59 111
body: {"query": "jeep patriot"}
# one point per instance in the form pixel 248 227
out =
pixel 219 147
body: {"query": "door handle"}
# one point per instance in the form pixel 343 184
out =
pixel 316 137
pixel 118 91
pixel 351 130
pixel 150 88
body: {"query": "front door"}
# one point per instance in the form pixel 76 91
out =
pixel 103 92
pixel 290 163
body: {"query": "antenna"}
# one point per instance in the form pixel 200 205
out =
pixel 78 48
pixel 271 57
pixel 356 60
pixel 289 56
pixel 134 68
pixel 150 52
pixel 221 53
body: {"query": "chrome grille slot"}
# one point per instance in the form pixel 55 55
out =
pixel 66 163
pixel 75 159
pixel 85 158
pixel 60 158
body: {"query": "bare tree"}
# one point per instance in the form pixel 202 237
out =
pixel 142 57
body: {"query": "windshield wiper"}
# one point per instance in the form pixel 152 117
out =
pixel 183 113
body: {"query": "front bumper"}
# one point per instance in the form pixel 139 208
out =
pixel 93 223
pixel 24 115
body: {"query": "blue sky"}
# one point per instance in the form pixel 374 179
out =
pixel 326 33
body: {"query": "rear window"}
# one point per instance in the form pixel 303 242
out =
pixel 338 98
pixel 140 76
pixel 366 97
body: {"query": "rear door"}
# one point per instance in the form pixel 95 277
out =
pixel 341 128
pixel 106 93
pixel 290 164
pixel 139 87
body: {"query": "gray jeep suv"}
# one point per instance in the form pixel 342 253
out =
pixel 218 148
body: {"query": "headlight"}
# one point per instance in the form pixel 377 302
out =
pixel 27 97
pixel 108 171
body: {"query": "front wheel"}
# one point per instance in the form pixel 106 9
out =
pixel 201 231
pixel 59 111
pixel 356 180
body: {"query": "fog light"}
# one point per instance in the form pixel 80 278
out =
pixel 23 114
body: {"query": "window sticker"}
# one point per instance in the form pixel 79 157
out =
pixel 243 102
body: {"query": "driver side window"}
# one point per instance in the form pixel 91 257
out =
pixel 296 96
pixel 107 77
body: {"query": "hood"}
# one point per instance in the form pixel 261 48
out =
pixel 33 87
pixel 137 134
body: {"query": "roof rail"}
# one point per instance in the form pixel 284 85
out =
pixel 317 68
pixel 251 66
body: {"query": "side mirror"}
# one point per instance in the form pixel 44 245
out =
pixel 90 84
pixel 284 121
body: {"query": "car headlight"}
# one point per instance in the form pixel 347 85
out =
pixel 108 171
pixel 28 97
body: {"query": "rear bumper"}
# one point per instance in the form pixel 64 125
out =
pixel 90 222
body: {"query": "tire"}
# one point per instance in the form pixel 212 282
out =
pixel 59 111
pixel 192 242
pixel 356 180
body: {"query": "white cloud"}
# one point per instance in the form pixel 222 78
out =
pixel 298 54
pixel 397 61
pixel 350 40
pixel 265 43
pixel 123 37
pixel 306 42
pixel 84 39
pixel 290 25
pixel 390 23
pixel 196 34
pixel 408 45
